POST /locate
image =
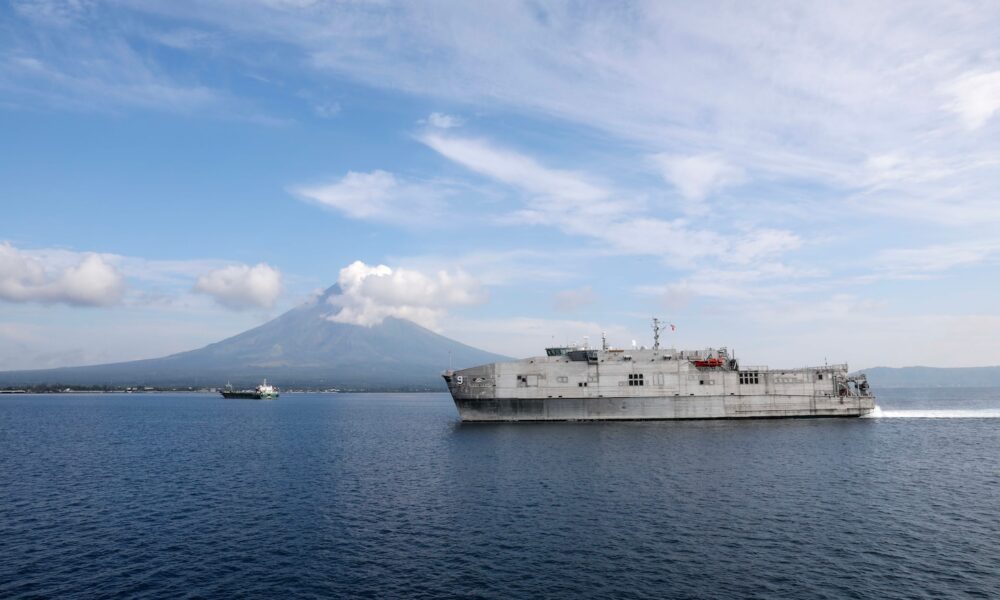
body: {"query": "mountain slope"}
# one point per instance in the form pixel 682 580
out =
pixel 299 348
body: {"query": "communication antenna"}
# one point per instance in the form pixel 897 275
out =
pixel 656 333
pixel 604 340
pixel 586 342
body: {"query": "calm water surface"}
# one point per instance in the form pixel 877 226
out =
pixel 167 496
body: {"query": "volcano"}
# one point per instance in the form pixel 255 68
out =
pixel 301 348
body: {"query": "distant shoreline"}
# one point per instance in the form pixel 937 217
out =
pixel 23 392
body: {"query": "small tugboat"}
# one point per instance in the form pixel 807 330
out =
pixel 263 391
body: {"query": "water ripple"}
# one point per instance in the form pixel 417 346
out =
pixel 171 496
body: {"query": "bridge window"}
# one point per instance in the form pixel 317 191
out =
pixel 749 377
pixel 635 379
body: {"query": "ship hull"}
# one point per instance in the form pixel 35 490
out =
pixel 661 408
pixel 248 395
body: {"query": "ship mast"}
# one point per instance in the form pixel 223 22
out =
pixel 656 333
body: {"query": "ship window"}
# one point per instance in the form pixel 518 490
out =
pixel 749 377
pixel 562 379
pixel 581 384
pixel 701 382
pixel 820 375
pixel 635 379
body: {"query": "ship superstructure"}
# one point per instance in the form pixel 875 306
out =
pixel 579 383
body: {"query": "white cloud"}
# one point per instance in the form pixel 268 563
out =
pixel 443 121
pixel 975 97
pixel 241 286
pixel 369 294
pixel 379 196
pixel 697 177
pixel 88 281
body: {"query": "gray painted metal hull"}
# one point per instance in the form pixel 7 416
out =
pixel 584 385
pixel 660 408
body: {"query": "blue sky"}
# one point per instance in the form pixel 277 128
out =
pixel 799 183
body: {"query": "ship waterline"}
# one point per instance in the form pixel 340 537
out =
pixel 579 384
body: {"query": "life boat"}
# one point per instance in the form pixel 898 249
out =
pixel 709 363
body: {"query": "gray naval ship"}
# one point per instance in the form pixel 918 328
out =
pixel 582 384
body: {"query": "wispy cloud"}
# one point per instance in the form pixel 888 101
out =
pixel 761 284
pixel 380 196
pixel 783 95
pixel 936 258
pixel 79 57
pixel 102 85
pixel 578 205
pixel 443 121
pixel 777 95
pixel 327 110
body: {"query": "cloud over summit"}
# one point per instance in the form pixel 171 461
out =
pixel 370 293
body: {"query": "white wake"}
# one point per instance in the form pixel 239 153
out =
pixel 972 413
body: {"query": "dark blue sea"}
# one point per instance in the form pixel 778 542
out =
pixel 389 496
